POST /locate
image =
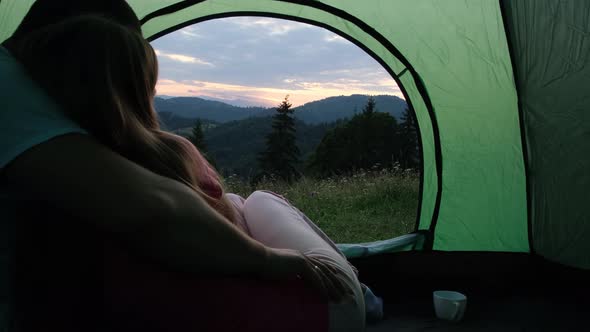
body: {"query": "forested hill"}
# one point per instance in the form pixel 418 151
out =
pixel 334 108
pixel 184 110
pixel 172 122
pixel 235 145
pixel 194 107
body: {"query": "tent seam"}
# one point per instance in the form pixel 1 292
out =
pixel 521 122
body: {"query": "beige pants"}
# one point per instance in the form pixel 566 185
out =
pixel 274 222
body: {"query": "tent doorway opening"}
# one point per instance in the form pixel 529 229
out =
pixel 359 161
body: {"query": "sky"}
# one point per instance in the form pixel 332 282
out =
pixel 257 61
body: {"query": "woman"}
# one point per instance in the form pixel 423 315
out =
pixel 103 76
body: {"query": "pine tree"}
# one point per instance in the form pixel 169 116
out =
pixel 282 154
pixel 197 137
pixel 410 149
pixel 370 107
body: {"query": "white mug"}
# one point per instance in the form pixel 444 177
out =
pixel 449 305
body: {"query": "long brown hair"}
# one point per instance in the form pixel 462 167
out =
pixel 103 75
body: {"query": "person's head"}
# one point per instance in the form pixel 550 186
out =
pixel 46 12
pixel 103 76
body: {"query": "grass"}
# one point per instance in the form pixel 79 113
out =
pixel 367 206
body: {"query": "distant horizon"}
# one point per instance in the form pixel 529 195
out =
pixel 243 102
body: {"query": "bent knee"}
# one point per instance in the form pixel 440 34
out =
pixel 261 195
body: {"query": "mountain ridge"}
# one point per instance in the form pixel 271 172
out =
pixel 320 111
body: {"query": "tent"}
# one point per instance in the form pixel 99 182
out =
pixel 499 89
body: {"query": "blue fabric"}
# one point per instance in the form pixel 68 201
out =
pixel 27 118
pixel 397 244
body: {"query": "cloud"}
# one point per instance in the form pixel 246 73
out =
pixel 269 26
pixel 366 73
pixel 350 87
pixel 331 38
pixel 166 82
pixel 183 58
pixel 335 72
pixel 189 32
pixel 195 83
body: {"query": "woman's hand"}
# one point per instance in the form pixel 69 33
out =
pixel 285 263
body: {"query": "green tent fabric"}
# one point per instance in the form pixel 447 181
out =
pixel 499 90
pixel 551 66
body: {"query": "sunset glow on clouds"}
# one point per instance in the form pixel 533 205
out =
pixel 260 60
pixel 301 93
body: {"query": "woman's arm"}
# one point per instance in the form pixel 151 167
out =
pixel 157 216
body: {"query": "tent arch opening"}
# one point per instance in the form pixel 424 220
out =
pixel 400 70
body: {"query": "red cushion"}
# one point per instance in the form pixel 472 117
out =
pixel 143 297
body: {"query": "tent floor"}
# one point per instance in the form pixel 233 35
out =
pixel 516 313
pixel 505 292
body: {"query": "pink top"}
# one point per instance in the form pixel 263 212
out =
pixel 210 184
pixel 208 179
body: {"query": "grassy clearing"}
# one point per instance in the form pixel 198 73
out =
pixel 367 206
